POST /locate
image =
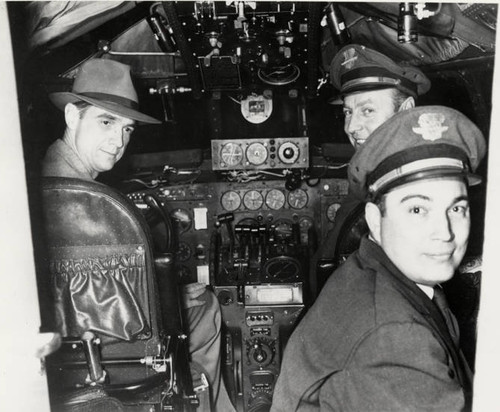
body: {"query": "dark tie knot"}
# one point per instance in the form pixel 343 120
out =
pixel 439 298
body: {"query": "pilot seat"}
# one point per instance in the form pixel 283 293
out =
pixel 121 349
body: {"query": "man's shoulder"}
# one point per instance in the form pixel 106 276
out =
pixel 365 293
pixel 61 161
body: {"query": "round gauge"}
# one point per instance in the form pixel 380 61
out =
pixel 275 199
pixel 230 200
pixel 297 199
pixel 183 219
pixel 331 212
pixel 231 154
pixel 253 200
pixel 288 152
pixel 183 252
pixel 256 153
pixel 282 268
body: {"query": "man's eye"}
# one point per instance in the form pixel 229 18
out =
pixel 129 130
pixel 105 122
pixel 368 111
pixel 347 112
pixel 417 210
pixel 461 210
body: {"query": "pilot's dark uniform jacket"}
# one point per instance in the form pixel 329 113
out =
pixel 354 69
pixel 374 340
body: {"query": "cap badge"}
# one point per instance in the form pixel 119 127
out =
pixel 349 58
pixel 431 126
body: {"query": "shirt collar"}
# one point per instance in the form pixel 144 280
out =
pixel 428 290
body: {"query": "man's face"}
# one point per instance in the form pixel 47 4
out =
pixel 101 138
pixel 425 229
pixel 365 111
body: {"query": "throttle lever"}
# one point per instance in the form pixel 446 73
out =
pixel 226 220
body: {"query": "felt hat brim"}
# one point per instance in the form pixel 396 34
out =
pixel 60 99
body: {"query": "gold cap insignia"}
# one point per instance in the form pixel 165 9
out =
pixel 350 58
pixel 431 126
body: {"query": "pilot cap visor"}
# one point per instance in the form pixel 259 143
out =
pixel 421 143
pixel 357 68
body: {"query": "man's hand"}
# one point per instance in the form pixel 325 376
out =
pixel 190 294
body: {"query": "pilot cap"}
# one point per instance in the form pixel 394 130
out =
pixel 420 143
pixel 357 68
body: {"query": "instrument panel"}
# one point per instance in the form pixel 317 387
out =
pixel 253 243
pixel 258 154
pixel 197 210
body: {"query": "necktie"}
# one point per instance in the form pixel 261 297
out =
pixel 440 301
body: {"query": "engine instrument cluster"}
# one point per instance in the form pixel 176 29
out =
pixel 271 199
pixel 259 154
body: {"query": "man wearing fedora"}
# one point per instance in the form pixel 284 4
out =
pixel 101 113
pixel 380 336
pixel 373 89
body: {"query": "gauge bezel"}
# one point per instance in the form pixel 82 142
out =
pixel 280 261
pixel 281 152
pixel 304 199
pixel 330 207
pixel 235 151
pixel 282 199
pixel 224 201
pixel 254 159
pixel 247 200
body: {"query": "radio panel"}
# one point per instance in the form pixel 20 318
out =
pixel 259 154
pixel 254 336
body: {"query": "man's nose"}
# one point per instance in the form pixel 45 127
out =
pixel 353 123
pixel 442 227
pixel 117 138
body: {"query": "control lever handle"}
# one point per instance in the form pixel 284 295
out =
pixel 155 204
pixel 226 220
pixel 90 347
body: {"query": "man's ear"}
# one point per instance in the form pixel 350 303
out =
pixel 373 218
pixel 71 115
pixel 409 103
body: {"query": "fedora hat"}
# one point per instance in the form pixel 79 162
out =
pixel 106 84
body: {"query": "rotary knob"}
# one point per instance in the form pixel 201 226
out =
pixel 260 352
pixel 288 152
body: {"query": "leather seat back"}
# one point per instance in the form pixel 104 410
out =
pixel 100 267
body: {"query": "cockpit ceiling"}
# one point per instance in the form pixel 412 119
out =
pixel 446 31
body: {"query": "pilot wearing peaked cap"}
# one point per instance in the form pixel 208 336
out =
pixel 420 143
pixel 356 68
pixel 380 336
